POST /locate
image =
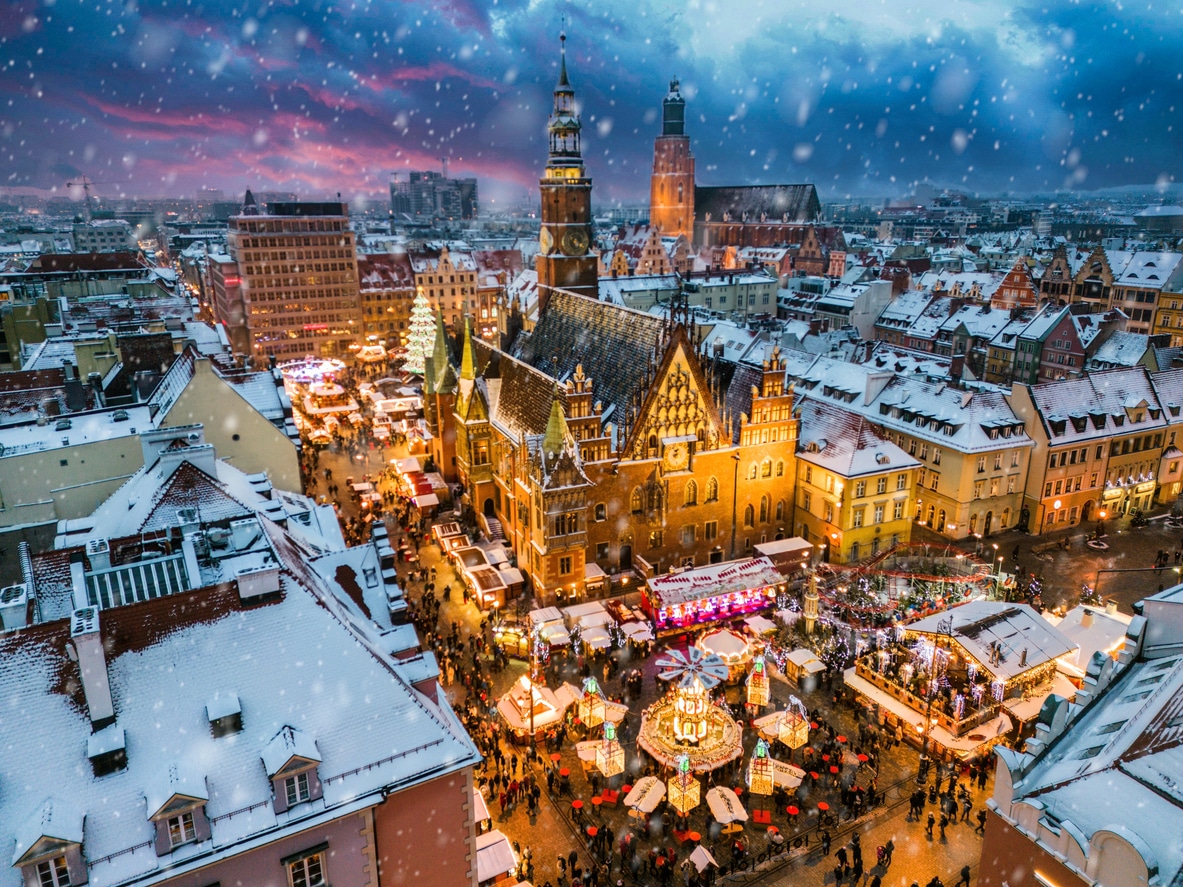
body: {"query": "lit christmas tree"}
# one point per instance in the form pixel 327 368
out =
pixel 420 336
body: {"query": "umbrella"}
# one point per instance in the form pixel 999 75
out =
pixel 564 772
pixel 833 769
pixel 792 811
pixel 701 857
pixel 862 759
pixel 841 738
pixel 556 757
pixel 578 805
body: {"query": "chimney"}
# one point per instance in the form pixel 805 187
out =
pixel 70 370
pixel 1086 618
pixel 92 666
pixel 1023 658
pixel 1111 608
pixel 98 552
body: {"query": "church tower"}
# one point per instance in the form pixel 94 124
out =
pixel 564 258
pixel 671 190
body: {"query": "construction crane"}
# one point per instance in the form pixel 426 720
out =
pixel 84 183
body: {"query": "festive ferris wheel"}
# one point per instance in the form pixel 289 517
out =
pixel 693 665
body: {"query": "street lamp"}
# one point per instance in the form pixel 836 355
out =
pixel 945 627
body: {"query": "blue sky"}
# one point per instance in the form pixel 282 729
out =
pixel 155 97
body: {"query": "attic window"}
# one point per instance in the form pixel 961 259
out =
pixel 225 714
pixel 1150 679
pixel 107 750
pixel 1111 728
pixel 1090 752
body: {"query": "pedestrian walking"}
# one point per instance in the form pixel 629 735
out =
pixel 825 838
pixel 981 829
pixel 964 880
pixel 888 849
pixel 932 821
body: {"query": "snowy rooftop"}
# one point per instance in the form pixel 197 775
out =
pixel 102 425
pixel 846 444
pixel 716 579
pixel 1016 628
pixel 1099 406
pixel 370 728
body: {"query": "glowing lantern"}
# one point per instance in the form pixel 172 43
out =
pixel 793 729
pixel 758 690
pixel 683 788
pixel 760 770
pixel 609 754
pixel 591 706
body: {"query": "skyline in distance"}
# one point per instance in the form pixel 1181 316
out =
pixel 160 97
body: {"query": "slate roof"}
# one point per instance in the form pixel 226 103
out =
pixel 262 657
pixel 383 272
pixel 519 396
pixel 614 345
pixel 846 443
pixel 799 201
pixel 1089 408
pixel 1121 349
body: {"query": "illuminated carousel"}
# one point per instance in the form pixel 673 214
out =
pixel 731 647
pixel 685 722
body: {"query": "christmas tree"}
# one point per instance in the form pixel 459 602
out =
pixel 420 336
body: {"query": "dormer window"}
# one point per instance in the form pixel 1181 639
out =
pixel 176 806
pixel 49 847
pixel 291 759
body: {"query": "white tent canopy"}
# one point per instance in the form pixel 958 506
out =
pixel 701 857
pixel 646 794
pixel 637 631
pixel 494 855
pixel 597 638
pixel 725 806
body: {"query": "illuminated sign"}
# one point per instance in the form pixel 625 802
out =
pixel 311 327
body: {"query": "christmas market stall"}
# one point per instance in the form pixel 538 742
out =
pixel 959 680
pixel 711 594
pixel 530 708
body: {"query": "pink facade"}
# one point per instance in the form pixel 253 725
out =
pixel 349 858
pixel 426 834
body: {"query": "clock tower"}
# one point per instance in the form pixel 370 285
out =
pixel 565 260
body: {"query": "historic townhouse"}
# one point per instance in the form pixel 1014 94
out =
pixel 854 487
pixel 1098 446
pixel 972 448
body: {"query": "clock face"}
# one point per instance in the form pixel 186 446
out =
pixel 575 242
pixel 677 457
pixel 546 241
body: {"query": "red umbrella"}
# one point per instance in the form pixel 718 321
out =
pixel 813 774
pixel 823 806
pixel 577 805
pixel 862 759
pixel 813 725
pixel 592 831
pixel 564 772
pixel 841 738
pixel 556 757
pixel 738 791
pixel 792 811
pixel 825 757
pixel 833 769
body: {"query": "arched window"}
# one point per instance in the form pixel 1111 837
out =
pixel 749 516
pixel 780 468
pixel 655 498
pixel 638 504
pixel 766 468
pixel 712 490
pixel 691 493
pixel 763 509
pixel 752 469
pixel 780 509
pixel 940 527
pixel 680 192
pixel 652 445
pixel 1005 519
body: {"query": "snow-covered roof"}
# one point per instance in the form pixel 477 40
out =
pixel 1098 406
pixel 267 654
pixel 1024 640
pixel 1121 349
pixel 1091 629
pixel 288 743
pixel 713 580
pixel 845 443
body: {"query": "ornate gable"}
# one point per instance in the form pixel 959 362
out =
pixel 677 405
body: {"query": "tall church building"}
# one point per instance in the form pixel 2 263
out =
pixel 671 189
pixel 564 257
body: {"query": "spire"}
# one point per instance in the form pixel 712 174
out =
pixel 439 349
pixel 563 81
pixel 468 355
pixel 556 428
pixel 673 112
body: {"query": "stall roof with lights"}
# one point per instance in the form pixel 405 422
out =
pixel 715 579
pixel 1015 628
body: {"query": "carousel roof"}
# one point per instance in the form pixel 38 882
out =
pixel 693 666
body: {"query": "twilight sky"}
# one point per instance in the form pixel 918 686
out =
pixel 160 97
